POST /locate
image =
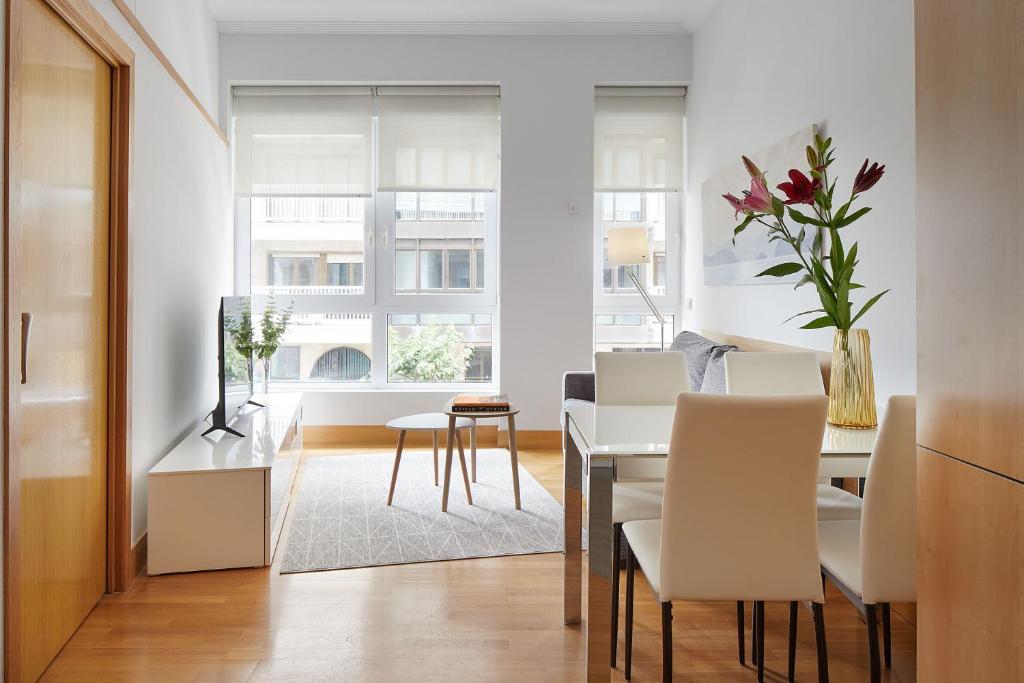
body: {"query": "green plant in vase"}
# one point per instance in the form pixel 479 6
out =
pixel 822 260
pixel 273 326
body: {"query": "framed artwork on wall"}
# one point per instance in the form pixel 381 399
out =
pixel 729 264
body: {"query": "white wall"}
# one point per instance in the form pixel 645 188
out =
pixel 182 261
pixel 186 33
pixel 547 96
pixel 763 71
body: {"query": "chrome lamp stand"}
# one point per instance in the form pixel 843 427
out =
pixel 650 304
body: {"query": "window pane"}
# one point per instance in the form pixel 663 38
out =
pixel 627 207
pixel 292 270
pixel 446 236
pixel 439 348
pixel 446 206
pixel 431 269
pixel 458 268
pixel 631 332
pixel 345 274
pixel 298 241
pixel 405 270
pixel 284 365
pixel 635 209
pixel 325 347
pixel 405 206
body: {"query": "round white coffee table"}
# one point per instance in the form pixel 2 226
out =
pixel 434 423
pixel 453 420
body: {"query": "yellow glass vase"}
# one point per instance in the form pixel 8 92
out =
pixel 851 401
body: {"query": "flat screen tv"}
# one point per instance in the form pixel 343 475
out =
pixel 235 388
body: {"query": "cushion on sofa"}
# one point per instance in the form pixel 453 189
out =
pixel 698 352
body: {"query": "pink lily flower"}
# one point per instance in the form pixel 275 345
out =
pixel 759 199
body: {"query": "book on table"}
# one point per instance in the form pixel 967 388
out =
pixel 477 403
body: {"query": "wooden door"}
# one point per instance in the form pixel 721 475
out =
pixel 64 145
pixel 970 409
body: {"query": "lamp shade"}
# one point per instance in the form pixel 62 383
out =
pixel 627 246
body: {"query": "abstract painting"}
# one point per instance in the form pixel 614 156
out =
pixel 728 264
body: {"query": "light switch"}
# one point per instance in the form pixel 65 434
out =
pixel 574 209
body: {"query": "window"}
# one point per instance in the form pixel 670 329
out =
pixel 638 171
pixel 439 348
pixel 373 213
pixel 441 241
pixel 630 209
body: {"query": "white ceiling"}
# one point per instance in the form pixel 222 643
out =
pixel 461 16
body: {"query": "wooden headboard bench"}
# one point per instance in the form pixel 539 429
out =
pixel 750 344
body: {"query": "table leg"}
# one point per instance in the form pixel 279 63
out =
pixel 572 510
pixel 398 461
pixel 599 567
pixel 472 448
pixel 448 463
pixel 462 463
pixel 515 458
pixel 434 434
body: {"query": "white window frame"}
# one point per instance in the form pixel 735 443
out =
pixel 380 298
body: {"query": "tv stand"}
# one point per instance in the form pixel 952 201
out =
pixel 226 430
pixel 210 502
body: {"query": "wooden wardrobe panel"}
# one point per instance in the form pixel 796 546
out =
pixel 970 624
pixel 970 230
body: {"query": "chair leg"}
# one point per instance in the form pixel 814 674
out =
pixel 666 642
pixel 759 608
pixel 872 617
pixel 818 610
pixel 753 633
pixel 398 461
pixel 740 633
pixel 792 639
pixel 434 434
pixel 887 635
pixel 616 549
pixel 630 574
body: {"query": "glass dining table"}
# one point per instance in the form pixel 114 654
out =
pixel 596 439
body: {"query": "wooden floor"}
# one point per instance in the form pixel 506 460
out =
pixel 495 619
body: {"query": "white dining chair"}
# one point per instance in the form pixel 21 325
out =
pixel 636 379
pixel 783 374
pixel 873 560
pixel 715 525
pixel 786 373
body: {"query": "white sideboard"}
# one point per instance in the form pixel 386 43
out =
pixel 210 499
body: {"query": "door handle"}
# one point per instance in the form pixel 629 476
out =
pixel 26 330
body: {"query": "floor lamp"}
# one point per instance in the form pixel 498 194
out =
pixel 628 247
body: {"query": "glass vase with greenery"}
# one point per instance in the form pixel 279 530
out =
pixel 816 236
pixel 273 326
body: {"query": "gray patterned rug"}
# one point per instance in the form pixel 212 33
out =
pixel 341 519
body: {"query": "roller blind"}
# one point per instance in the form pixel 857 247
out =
pixel 638 139
pixel 301 142
pixel 438 139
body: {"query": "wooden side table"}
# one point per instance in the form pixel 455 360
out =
pixel 483 415
pixel 434 423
